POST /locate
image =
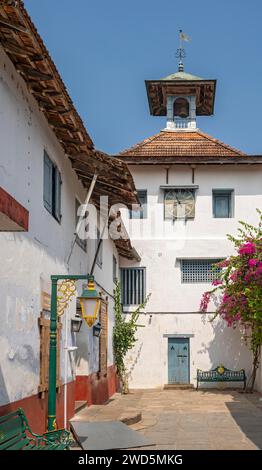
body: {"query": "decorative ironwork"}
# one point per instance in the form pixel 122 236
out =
pixel 180 53
pixel 65 292
pixel 221 374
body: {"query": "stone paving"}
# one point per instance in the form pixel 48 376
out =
pixel 187 419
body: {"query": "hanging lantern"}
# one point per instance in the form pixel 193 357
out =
pixel 76 323
pixel 90 302
pixel 97 330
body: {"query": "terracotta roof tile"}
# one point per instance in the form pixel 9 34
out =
pixel 181 144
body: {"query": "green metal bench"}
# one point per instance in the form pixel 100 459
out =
pixel 15 434
pixel 221 374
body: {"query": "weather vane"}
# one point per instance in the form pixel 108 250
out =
pixel 180 53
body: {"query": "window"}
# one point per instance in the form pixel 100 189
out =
pixel 181 108
pixel 99 243
pixel 52 188
pixel 80 240
pixel 179 203
pixel 141 212
pixel 222 203
pixel 103 339
pixel 199 270
pixel 115 274
pixel 133 286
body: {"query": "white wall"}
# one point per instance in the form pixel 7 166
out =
pixel 29 259
pixel 211 344
pixel 204 236
pixel 87 357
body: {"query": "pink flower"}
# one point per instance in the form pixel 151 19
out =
pixel 253 262
pixel 205 301
pixel 216 282
pixel 234 276
pixel 247 249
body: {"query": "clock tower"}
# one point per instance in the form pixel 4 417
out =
pixel 181 97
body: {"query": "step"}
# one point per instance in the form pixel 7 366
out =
pixel 178 386
pixel 79 405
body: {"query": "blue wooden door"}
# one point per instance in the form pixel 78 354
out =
pixel 178 360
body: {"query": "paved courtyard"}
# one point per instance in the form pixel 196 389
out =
pixel 186 419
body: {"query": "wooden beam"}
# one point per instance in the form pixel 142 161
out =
pixel 106 184
pixel 71 141
pixel 34 73
pixel 19 50
pixel 52 107
pixel 52 93
pixel 60 125
pixel 10 25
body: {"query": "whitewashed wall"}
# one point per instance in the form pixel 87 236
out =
pixel 88 346
pixel 211 344
pixel 174 305
pixel 29 259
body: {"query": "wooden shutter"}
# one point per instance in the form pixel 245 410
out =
pixel 103 339
pixel 44 329
pixel 48 168
pixel 57 194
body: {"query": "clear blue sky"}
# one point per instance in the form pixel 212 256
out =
pixel 105 49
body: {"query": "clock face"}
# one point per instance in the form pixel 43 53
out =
pixel 180 203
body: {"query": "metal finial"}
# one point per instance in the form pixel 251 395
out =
pixel 180 53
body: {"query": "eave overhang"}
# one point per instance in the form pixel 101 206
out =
pixel 248 160
pixel 158 90
pixel 26 50
pixel 120 237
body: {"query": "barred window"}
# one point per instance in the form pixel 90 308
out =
pixel 199 270
pixel 133 285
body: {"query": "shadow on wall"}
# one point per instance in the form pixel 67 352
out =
pixel 226 348
pixel 133 362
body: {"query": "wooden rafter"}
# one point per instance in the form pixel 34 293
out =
pixel 11 25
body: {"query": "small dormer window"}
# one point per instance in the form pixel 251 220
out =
pixel 181 108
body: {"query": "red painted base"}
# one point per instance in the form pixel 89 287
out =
pixel 35 409
pixel 93 389
pixel 96 389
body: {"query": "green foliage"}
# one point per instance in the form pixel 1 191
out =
pixel 124 335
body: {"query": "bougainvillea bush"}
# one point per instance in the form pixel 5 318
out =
pixel 238 290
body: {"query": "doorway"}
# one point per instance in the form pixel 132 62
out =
pixel 178 360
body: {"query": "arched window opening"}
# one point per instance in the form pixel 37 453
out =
pixel 181 108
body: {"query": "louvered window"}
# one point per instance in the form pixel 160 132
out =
pixel 199 270
pixel 52 188
pixel 222 203
pixel 133 285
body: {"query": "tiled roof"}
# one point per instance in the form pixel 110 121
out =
pixel 180 144
pixel 25 48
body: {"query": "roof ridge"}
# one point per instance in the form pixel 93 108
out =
pixel 219 142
